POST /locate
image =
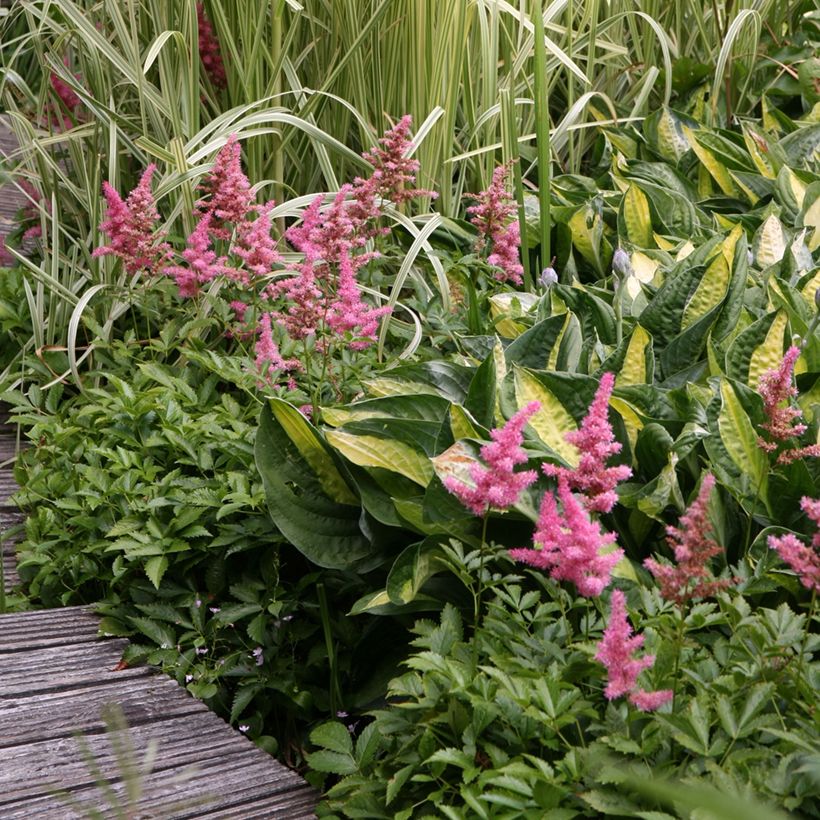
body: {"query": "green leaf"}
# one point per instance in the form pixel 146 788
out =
pixel 244 695
pixel 325 531
pixel 481 397
pixel 552 421
pixel 334 736
pixel 155 568
pixel 332 762
pixel 414 566
pixel 395 456
pixel 634 218
pixel 311 447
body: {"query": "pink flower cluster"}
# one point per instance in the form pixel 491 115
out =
pixel 570 544
pixel 690 577
pixel 131 228
pixel 210 54
pixel 595 442
pixel 804 561
pixel 497 485
pixel 616 651
pixel 494 216
pixel 322 295
pixel 783 423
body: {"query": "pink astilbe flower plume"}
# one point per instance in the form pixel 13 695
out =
pixel 497 485
pixel 690 576
pixel 616 651
pixel 595 442
pixel 494 217
pixel 226 190
pixel 210 53
pixel 783 419
pixel 131 228
pixel 269 360
pixel 570 544
pixel 203 263
pixel 254 244
pixel 803 560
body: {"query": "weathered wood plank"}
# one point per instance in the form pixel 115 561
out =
pixel 27 771
pixel 7 488
pixel 45 715
pixel 24 631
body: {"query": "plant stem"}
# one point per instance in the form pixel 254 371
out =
pixel 679 648
pixel 480 590
pixel 335 691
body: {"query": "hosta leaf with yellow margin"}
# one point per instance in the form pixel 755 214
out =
pixel 769 243
pixel 383 386
pixel 587 228
pixel 810 216
pixel 739 437
pixel 718 171
pixel 769 354
pixel 637 221
pixel 633 369
pixel 552 421
pixel 673 141
pixel 791 188
pixel 632 421
pixel 311 448
pixel 759 150
pixel 714 283
pixel 506 308
pixel 372 451
pixel 461 424
pixel 810 288
pixel 552 361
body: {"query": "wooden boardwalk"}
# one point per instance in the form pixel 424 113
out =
pixel 56 679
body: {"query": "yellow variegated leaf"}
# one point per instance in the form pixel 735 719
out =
pixel 637 219
pixel 769 354
pixel 644 269
pixel 758 147
pixel 556 348
pixel 715 281
pixel 673 141
pixel 811 220
pixel 739 437
pixel 687 248
pixel 796 186
pixel 500 374
pixel 716 168
pixel 383 386
pixel 770 242
pixel 557 304
pixel 810 288
pixel 505 308
pixel 552 421
pixel 632 421
pixel 633 370
pixel 311 448
pixel 663 243
pixel 455 462
pixel 461 424
pixel 750 194
pixel 389 454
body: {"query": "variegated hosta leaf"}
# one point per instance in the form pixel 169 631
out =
pixel 770 242
pixel 810 216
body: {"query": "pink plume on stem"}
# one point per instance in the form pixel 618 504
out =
pixel 210 53
pixel 497 485
pixel 617 652
pixel 203 263
pixel 690 577
pixel 595 441
pixel 570 544
pixel 254 244
pixel 803 560
pixel 226 189
pixel 131 228
pixel 494 217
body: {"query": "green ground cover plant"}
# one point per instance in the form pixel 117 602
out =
pixel 521 405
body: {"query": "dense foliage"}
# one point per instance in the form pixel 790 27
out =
pixel 470 505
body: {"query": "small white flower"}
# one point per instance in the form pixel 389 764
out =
pixel 244 727
pixel 188 678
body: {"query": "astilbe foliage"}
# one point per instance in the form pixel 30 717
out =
pixel 803 560
pixel 131 228
pixel 570 545
pixel 497 485
pixel 690 576
pixel 494 217
pixel 595 442
pixel 782 418
pixel 616 651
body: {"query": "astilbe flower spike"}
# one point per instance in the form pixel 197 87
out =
pixel 497 485
pixel 803 560
pixel 595 442
pixel 493 216
pixel 269 360
pixel 255 246
pixel 616 651
pixel 210 53
pixel 690 577
pixel 226 190
pixel 783 419
pixel 203 263
pixel 131 228
pixel 570 544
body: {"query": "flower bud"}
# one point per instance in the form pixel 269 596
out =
pixel 548 277
pixel 621 263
